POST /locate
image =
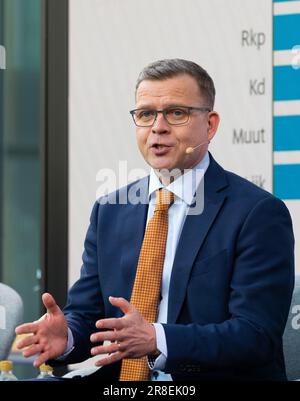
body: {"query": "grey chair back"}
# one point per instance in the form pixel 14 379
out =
pixel 11 315
pixel 291 337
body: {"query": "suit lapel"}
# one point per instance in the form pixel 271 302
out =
pixel 193 234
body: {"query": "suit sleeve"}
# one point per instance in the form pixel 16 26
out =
pixel 85 305
pixel 260 295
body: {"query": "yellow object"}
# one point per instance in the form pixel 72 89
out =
pixel 6 366
pixel 18 338
pixel 46 368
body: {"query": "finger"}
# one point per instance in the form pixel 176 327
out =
pixel 27 328
pixel 41 359
pixel 113 323
pixel 121 303
pixel 105 349
pixel 27 341
pixel 115 357
pixel 50 303
pixel 105 336
pixel 33 350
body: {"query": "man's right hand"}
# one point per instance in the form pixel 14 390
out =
pixel 49 334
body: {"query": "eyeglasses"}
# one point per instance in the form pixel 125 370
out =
pixel 175 115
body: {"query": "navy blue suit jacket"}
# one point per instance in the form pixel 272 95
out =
pixel 231 282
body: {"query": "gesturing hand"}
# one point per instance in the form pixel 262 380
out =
pixel 49 333
pixel 131 335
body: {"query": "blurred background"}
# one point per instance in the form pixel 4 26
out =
pixel 67 79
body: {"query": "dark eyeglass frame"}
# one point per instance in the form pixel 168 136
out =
pixel 164 112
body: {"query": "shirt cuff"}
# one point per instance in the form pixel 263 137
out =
pixel 69 347
pixel 159 363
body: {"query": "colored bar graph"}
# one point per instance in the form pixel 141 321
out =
pixel 286 133
pixel 286 181
pixel 286 88
pixel 286 83
pixel 286 31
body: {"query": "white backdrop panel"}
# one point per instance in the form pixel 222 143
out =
pixel 111 41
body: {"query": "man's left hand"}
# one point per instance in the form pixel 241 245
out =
pixel 131 336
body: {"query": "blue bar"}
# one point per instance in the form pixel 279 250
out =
pixel 287 181
pixel 280 1
pixel 286 31
pixel 286 83
pixel 286 133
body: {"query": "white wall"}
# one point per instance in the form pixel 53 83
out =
pixel 111 41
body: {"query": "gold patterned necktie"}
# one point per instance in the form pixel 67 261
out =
pixel 146 289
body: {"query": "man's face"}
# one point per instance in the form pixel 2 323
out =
pixel 163 146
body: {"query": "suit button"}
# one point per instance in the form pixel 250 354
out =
pixel 155 374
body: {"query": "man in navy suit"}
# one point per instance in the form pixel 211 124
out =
pixel 228 272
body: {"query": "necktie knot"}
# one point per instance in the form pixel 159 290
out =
pixel 164 200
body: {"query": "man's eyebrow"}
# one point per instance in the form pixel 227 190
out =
pixel 145 106
pixel 151 107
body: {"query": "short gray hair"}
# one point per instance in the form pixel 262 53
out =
pixel 169 68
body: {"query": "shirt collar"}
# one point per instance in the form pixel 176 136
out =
pixel 184 187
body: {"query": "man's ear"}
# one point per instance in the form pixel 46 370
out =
pixel 213 123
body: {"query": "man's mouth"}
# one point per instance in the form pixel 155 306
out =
pixel 160 149
pixel 160 146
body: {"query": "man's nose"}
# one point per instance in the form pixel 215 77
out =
pixel 160 125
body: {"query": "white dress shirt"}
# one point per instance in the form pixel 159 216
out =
pixel 184 188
